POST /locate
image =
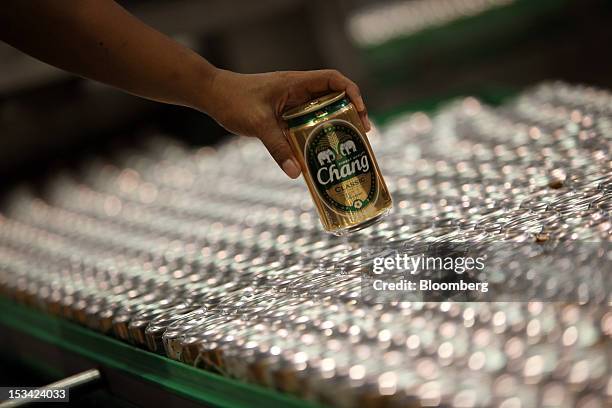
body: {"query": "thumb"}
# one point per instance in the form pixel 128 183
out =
pixel 277 145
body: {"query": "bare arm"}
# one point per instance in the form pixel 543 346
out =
pixel 100 40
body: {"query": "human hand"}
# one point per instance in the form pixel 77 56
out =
pixel 252 104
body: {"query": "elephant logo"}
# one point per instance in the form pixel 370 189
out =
pixel 347 148
pixel 340 168
pixel 326 156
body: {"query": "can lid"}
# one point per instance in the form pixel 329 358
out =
pixel 313 105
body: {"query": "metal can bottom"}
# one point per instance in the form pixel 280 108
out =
pixel 368 223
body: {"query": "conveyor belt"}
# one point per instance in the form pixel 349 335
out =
pixel 213 258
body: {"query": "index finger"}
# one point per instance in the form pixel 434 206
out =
pixel 330 79
pixel 341 83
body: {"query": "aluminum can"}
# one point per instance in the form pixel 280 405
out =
pixel 338 164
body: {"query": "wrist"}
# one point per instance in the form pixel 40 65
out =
pixel 202 77
pixel 209 90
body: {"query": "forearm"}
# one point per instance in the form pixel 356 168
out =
pixel 100 40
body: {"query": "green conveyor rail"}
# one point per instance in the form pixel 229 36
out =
pixel 184 380
pixel 491 25
pixel 469 47
pixel 478 40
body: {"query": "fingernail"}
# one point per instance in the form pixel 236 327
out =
pixel 291 168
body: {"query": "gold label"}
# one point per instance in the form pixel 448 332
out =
pixel 341 167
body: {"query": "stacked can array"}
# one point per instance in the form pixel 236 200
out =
pixel 213 258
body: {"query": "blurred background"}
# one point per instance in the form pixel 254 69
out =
pixel 405 54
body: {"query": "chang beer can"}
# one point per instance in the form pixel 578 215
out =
pixel 346 185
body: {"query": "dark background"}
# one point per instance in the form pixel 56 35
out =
pixel 49 118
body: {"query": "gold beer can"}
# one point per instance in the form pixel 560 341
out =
pixel 329 141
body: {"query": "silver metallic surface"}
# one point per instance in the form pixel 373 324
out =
pixel 212 257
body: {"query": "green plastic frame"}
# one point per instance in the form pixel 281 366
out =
pixel 190 382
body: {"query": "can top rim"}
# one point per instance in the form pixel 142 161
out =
pixel 313 105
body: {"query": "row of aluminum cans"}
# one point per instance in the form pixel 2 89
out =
pixel 214 258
